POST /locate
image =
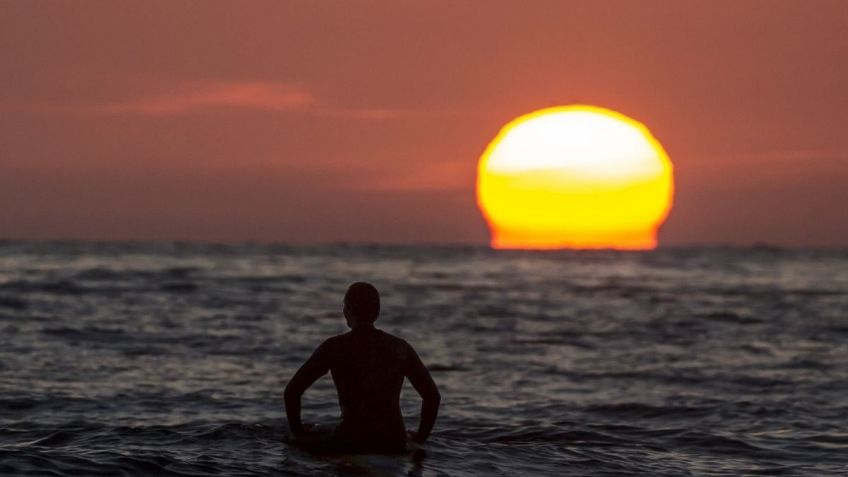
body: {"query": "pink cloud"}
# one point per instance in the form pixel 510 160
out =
pixel 153 95
pixel 268 96
pixel 164 98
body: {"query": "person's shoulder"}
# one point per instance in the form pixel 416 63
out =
pixel 339 338
pixel 333 341
pixel 390 337
pixel 397 342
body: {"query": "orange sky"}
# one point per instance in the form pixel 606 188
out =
pixel 363 121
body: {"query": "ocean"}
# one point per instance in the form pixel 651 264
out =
pixel 171 358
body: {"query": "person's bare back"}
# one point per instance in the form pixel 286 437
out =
pixel 368 368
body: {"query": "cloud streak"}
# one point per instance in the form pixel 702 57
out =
pixel 192 97
pixel 195 97
pixel 265 96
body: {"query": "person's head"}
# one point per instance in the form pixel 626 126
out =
pixel 361 305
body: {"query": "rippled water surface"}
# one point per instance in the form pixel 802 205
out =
pixel 170 359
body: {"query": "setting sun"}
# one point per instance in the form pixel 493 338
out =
pixel 574 177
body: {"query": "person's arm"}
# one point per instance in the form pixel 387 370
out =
pixel 316 366
pixel 423 383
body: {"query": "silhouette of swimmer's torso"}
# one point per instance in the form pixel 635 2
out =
pixel 368 369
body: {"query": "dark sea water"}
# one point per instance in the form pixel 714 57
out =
pixel 170 359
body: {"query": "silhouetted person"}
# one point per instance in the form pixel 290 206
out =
pixel 368 367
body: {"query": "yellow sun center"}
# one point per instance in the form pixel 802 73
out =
pixel 574 177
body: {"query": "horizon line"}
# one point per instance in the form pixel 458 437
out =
pixel 760 245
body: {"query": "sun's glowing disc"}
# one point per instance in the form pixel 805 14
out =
pixel 574 177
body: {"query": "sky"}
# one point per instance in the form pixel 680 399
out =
pixel 338 121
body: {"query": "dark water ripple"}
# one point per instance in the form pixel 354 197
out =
pixel 170 358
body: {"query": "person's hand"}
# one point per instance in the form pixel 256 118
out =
pixel 303 431
pixel 413 436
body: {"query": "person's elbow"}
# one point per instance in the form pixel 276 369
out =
pixel 434 398
pixel 291 393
